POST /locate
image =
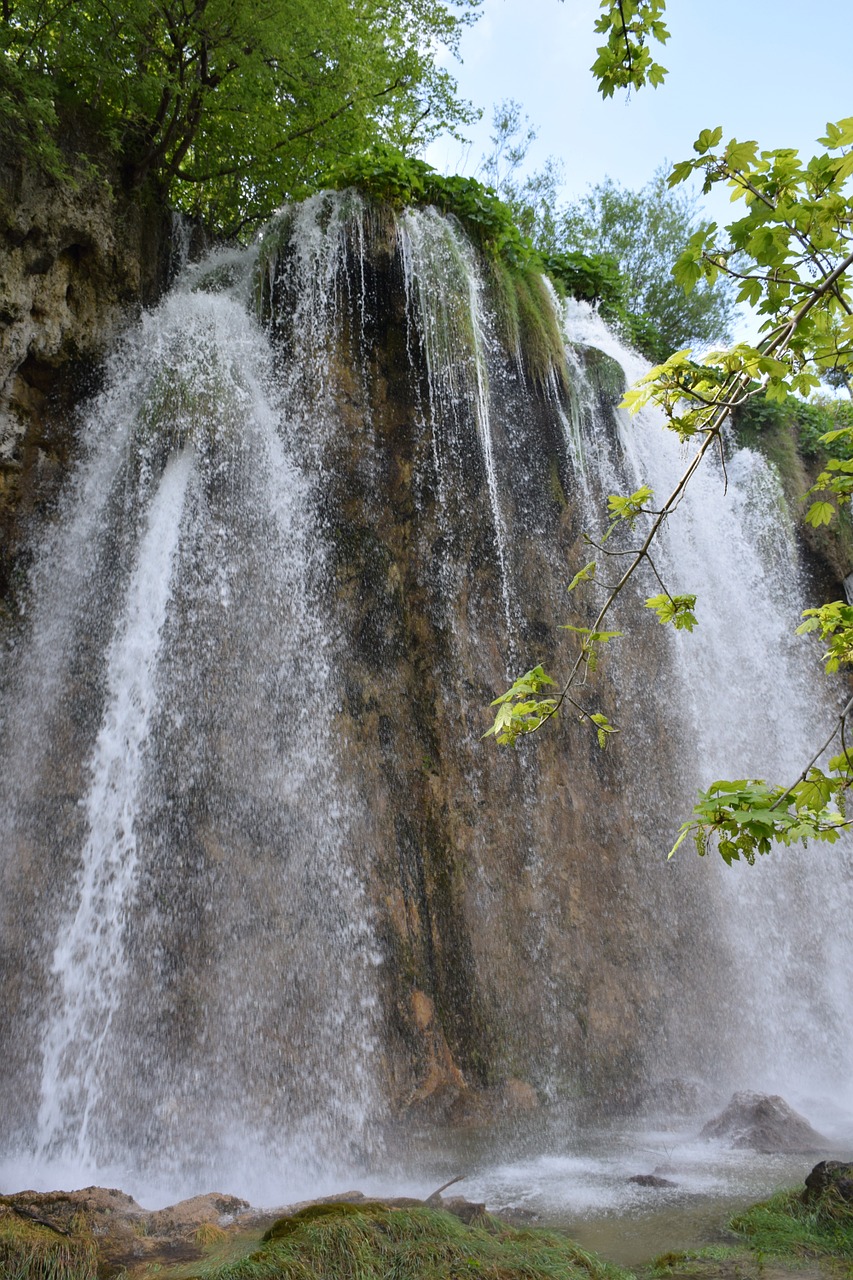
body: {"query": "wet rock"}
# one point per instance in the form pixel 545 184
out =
pixel 468 1211
pixel 651 1180
pixel 188 1215
pixel 830 1177
pixel 765 1123
pixel 518 1096
pixel 98 1208
pixel 126 1234
pixel 76 259
pixel 517 1215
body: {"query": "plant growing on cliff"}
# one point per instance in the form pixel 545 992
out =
pixel 791 254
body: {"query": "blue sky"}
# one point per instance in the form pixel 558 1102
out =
pixel 775 72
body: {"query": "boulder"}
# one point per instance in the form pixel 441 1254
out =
pixel 187 1216
pixel 830 1177
pixel 765 1123
pixel 102 1209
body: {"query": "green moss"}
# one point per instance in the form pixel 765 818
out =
pixel 371 1242
pixel 788 434
pixel 605 374
pixel 555 484
pixel 694 1261
pixel 283 1227
pixel 203 408
pixel 528 323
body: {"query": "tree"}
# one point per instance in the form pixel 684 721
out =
pixel 233 105
pixel 645 232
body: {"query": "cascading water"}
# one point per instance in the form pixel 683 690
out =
pixel 212 949
pixel 263 887
pixel 750 701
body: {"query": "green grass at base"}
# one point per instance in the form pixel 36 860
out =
pixel 784 1226
pixel 378 1243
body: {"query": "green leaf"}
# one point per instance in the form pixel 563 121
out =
pixel 675 609
pixel 707 139
pixel 583 575
pixel 629 506
pixel 820 513
pixel 595 637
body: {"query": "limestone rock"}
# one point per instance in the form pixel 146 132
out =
pixel 467 1211
pixel 764 1122
pixel 75 263
pixel 189 1215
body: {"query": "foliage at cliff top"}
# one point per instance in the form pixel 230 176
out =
pixel 234 105
pixel 633 237
pixel 390 175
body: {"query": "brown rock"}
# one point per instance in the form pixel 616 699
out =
pixel 518 1095
pixel 188 1215
pixel 468 1211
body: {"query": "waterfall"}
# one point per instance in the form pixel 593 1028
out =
pixel 267 900
pixel 210 946
pixel 751 701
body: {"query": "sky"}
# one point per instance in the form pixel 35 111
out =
pixel 771 70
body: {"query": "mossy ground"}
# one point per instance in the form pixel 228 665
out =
pixel 781 1237
pixel 374 1242
pixel 786 1227
pixel 32 1251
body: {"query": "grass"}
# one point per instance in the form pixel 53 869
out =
pixel 372 1242
pixel 784 1226
pixel 29 1251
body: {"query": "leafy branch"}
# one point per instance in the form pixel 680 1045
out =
pixel 792 254
pixel 625 62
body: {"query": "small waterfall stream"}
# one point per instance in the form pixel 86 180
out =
pixel 89 960
pixel 266 899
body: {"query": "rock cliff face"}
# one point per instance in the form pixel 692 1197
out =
pixel 529 922
pixel 76 262
pixel 264 886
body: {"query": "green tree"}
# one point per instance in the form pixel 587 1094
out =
pixel 641 233
pixel 233 105
pixel 645 232
pixel 236 105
